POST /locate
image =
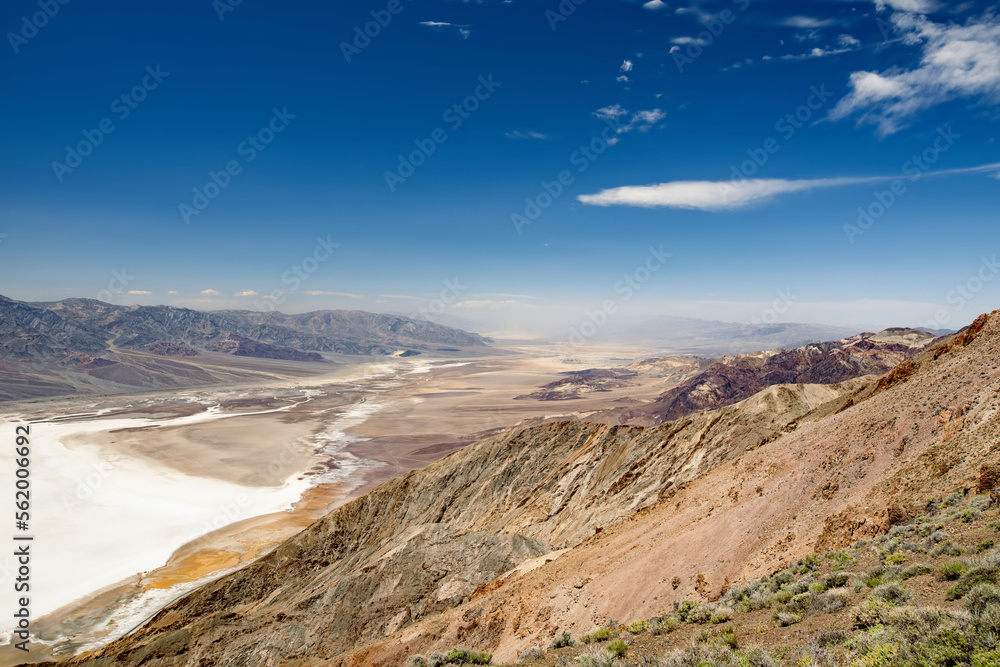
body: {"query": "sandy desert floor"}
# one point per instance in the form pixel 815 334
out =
pixel 139 499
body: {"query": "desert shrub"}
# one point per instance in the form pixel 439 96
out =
pixel 800 586
pixel 981 503
pixel 830 638
pixel 638 627
pixel 533 653
pixel 461 656
pixel 417 661
pixel 936 537
pixel 830 601
pixel 837 579
pixel 782 596
pixel 916 570
pixel 892 592
pixel 950 570
pixel 897 558
pixel 946 548
pixel 602 634
pixel 618 648
pixel 786 618
pixel 984 546
pixel 970 515
pixel 870 613
pixel 562 640
pixel 798 602
pixel 684 609
pixel 728 637
pixel 986 658
pixel 984 573
pixel 980 597
pixel 721 615
pixel 880 655
pixel 702 614
pixel 437 659
pixel 782 578
pixel 758 600
pixel 595 657
pixel 715 655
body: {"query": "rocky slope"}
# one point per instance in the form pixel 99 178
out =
pixel 734 378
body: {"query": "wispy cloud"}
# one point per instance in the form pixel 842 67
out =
pixel 316 292
pixel 139 292
pixel 626 66
pixel 806 22
pixel 463 30
pixel 816 53
pixel 640 120
pixel 517 134
pixel 211 292
pixel 957 61
pixel 918 6
pixel 684 41
pixel 248 292
pixel 733 195
pixel 654 5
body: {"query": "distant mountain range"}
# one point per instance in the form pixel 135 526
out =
pixel 733 379
pixel 43 344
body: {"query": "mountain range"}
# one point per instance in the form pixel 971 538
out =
pixel 75 345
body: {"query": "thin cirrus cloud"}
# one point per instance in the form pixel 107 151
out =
pixel 463 30
pixel 316 292
pixel 733 195
pixel 247 292
pixel 211 292
pixel 517 134
pixel 139 292
pixel 957 62
pixel 806 22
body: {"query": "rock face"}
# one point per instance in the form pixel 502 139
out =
pixel 734 378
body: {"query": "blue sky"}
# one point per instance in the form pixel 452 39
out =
pixel 741 137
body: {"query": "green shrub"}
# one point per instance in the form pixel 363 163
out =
pixel 950 570
pixel 638 627
pixel 870 613
pixel 562 640
pixel 882 655
pixel 782 596
pixel 979 574
pixel 417 661
pixel 916 570
pixel 798 602
pixel 892 593
pixel 603 634
pixel 986 658
pixel 837 580
pixel 984 546
pixel 897 558
pixel 832 600
pixel 684 609
pixel 618 648
pixel 980 596
pixel 461 656
pixel 786 618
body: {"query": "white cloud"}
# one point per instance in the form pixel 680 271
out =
pixel 815 53
pixel 806 22
pixel 684 41
pixel 733 195
pixel 674 49
pixel 626 66
pixel 517 134
pixel 653 5
pixel 315 292
pixel 140 292
pixel 622 79
pixel 640 120
pixel 248 292
pixel 918 6
pixel 612 112
pixel 463 30
pixel 848 40
pixel 957 61
pixel 173 291
pixel 211 292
